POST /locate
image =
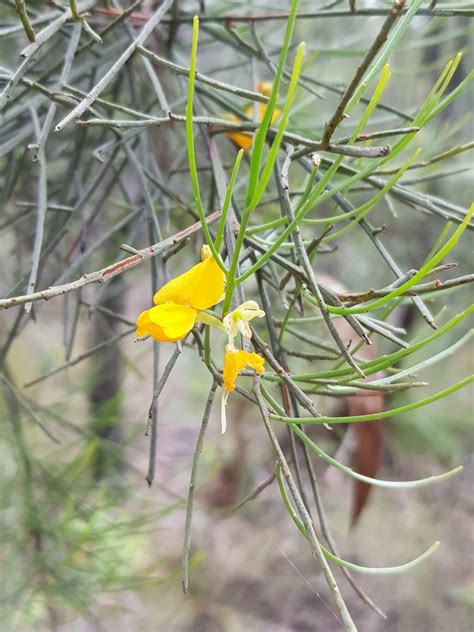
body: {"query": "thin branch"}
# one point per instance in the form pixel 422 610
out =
pixel 256 492
pixel 25 405
pixel 82 356
pixel 151 422
pixel 305 517
pixel 283 185
pixel 52 28
pixel 214 83
pixel 14 79
pixel 40 156
pixel 221 126
pixel 229 18
pixel 377 44
pixel 192 487
pixel 105 310
pixel 303 399
pixel 431 161
pixel 362 138
pixel 109 272
pixel 423 288
pixel 147 30
pixel 41 214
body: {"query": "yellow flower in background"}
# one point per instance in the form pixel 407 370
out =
pixel 179 302
pixel 265 87
pixel 243 139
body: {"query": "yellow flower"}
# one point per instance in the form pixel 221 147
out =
pixel 265 87
pixel 179 302
pixel 235 361
pixel 242 139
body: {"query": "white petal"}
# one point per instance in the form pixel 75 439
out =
pixel 244 328
pixel 224 397
pixel 252 305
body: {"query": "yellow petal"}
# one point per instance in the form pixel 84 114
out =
pixel 261 111
pixel 276 115
pixel 174 320
pixel 143 323
pixel 235 361
pixel 241 139
pixel 200 287
pixel 265 87
pixel 146 328
pixel 244 139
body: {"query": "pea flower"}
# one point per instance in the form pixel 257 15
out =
pixel 243 139
pixel 179 303
pixel 235 360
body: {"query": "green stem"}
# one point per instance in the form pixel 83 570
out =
pixel 228 199
pixel 260 188
pixel 380 415
pixel 356 568
pixel 376 482
pixel 190 146
pixel 422 272
pixel 260 136
pixel 23 15
pixel 383 362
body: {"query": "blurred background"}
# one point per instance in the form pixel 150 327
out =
pixel 85 543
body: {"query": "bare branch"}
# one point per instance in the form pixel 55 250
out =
pixel 377 44
pixel 109 272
